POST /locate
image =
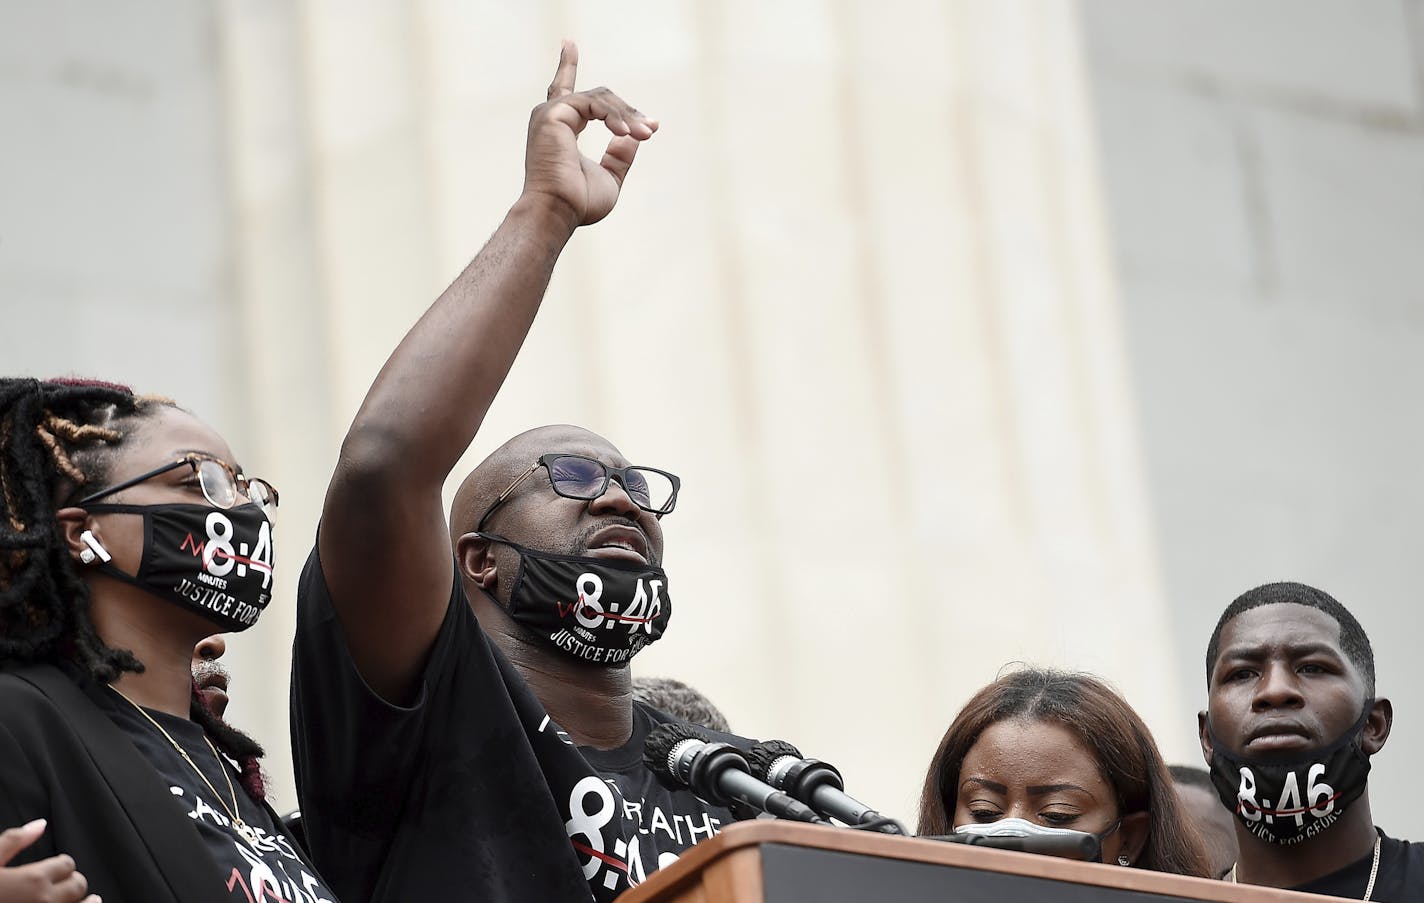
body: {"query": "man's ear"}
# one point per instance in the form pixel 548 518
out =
pixel 1134 830
pixel 1204 737
pixel 1377 726
pixel 475 557
pixel 73 524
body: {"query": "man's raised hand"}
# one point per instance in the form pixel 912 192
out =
pixel 555 171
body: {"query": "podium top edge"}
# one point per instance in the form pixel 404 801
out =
pixel 749 834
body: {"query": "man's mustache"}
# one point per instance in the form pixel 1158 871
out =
pixel 206 673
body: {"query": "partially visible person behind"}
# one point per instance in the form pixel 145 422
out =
pixel 128 535
pixel 1039 751
pixel 675 698
pixel 52 880
pixel 210 678
pixel 210 684
pixel 1213 823
pixel 1291 723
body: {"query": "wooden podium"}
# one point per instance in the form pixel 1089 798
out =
pixel 784 862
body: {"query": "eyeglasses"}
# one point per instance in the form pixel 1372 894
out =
pixel 221 485
pixel 577 477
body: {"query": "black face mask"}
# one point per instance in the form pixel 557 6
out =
pixel 212 561
pixel 1288 801
pixel 598 611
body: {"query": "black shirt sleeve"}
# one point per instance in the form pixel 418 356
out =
pixel 415 802
pixel 21 798
pixel 354 752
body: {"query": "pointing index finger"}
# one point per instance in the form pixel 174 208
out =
pixel 563 82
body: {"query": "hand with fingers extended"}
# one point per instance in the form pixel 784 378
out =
pixel 52 880
pixel 555 171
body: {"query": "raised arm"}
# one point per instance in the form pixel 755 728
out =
pixel 383 545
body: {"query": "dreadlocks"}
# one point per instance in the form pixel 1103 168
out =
pixel 56 437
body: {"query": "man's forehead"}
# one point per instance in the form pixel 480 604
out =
pixel 569 441
pixel 1291 631
pixel 515 457
pixel 1281 625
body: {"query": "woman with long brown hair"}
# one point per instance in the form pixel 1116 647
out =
pixel 1060 750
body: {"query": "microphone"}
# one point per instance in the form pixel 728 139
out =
pixel 1083 847
pixel 817 784
pixel 682 757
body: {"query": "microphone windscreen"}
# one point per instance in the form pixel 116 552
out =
pixel 763 754
pixel 659 746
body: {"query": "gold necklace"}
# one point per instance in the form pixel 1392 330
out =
pixel 1369 888
pixel 244 830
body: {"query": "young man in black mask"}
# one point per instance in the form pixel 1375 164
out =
pixel 1292 720
pixel 441 757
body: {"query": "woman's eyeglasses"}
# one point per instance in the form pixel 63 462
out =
pixel 221 485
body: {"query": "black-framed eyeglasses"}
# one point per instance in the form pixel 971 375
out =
pixel 578 477
pixel 221 485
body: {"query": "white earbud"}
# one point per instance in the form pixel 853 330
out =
pixel 96 548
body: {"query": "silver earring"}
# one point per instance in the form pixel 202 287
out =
pixel 87 556
pixel 1123 860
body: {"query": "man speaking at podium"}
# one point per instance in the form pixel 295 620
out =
pixel 444 758
pixel 1292 720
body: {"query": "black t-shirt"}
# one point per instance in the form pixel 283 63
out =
pixel 1400 878
pixel 472 792
pixel 269 867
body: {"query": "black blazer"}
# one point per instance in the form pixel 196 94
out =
pixel 63 759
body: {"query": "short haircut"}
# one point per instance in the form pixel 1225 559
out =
pixel 1191 776
pixel 677 699
pixel 1353 640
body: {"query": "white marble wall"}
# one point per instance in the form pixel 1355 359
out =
pixel 1264 165
pixel 858 293
pixel 114 232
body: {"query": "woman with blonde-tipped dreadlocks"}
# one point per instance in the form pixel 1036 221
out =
pixel 128 534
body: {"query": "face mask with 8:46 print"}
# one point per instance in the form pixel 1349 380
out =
pixel 212 561
pixel 1286 801
pixel 598 611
